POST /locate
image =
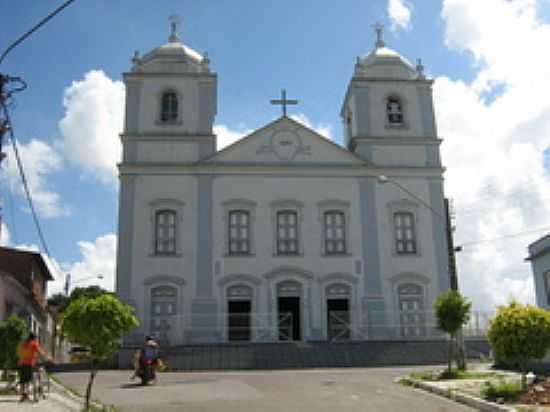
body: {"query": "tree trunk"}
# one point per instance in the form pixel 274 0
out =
pixel 450 352
pixel 93 372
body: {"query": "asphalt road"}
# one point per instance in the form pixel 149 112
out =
pixel 319 390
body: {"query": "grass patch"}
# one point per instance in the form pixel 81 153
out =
pixel 501 390
pixel 94 408
pixel 438 375
pixel 8 392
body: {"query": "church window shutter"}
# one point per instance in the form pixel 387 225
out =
pixel 287 232
pixel 335 232
pixel 169 107
pixel 239 232
pixel 405 233
pixel 165 232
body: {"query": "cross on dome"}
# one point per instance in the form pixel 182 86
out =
pixel 283 101
pixel 379 28
pixel 175 24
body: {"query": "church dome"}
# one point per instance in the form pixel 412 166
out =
pixel 384 62
pixel 172 57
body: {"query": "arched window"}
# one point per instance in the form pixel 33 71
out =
pixel 169 107
pixel 165 232
pixel 163 311
pixel 394 111
pixel 405 234
pixel 411 310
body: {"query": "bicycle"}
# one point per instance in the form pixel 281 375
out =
pixel 40 383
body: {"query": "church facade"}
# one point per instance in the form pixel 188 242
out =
pixel 283 235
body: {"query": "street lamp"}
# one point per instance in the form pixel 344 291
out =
pixel 68 281
pixel 445 220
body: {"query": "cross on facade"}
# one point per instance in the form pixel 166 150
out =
pixel 283 101
pixel 379 28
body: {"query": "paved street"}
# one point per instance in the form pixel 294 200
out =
pixel 368 389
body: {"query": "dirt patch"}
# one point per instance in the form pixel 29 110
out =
pixel 537 394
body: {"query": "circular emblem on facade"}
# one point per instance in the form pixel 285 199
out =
pixel 285 144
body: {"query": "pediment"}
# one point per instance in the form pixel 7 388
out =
pixel 285 141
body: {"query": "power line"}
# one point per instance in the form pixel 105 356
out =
pixel 510 236
pixel 35 28
pixel 23 177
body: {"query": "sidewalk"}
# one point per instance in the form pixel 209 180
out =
pixel 56 402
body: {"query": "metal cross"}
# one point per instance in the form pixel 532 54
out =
pixel 175 24
pixel 283 101
pixel 379 28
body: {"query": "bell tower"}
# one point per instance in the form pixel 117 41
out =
pixel 170 104
pixel 388 111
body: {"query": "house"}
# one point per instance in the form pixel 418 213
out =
pixel 24 280
pixel 539 256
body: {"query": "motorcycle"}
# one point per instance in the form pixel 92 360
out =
pixel 147 371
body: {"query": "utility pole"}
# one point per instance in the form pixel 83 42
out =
pixel 451 247
pixel 461 347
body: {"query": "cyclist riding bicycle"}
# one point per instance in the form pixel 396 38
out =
pixel 28 352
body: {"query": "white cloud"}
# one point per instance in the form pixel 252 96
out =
pixel 4 235
pixel 94 109
pixel 323 129
pixel 494 142
pixel 97 258
pixel 227 136
pixel 400 14
pixel 39 161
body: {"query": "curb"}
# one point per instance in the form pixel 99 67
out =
pixel 457 396
pixel 72 400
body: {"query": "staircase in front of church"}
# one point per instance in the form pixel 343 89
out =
pixel 294 355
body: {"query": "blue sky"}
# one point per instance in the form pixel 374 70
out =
pixel 308 47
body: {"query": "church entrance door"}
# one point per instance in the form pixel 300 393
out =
pixel 239 320
pixel 338 319
pixel 289 318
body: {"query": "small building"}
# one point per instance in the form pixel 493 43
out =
pixel 24 278
pixel 539 256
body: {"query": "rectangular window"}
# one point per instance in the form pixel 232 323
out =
pixel 287 233
pixel 239 232
pixel 335 233
pixel 165 232
pixel 405 236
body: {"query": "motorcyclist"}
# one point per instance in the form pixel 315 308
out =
pixel 149 354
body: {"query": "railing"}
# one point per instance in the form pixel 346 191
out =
pixel 336 326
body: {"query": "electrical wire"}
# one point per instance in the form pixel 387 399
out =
pixel 510 236
pixel 35 28
pixel 24 179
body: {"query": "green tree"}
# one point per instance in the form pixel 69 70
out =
pixel 99 324
pixel 452 311
pixel 88 292
pixel 519 333
pixel 12 332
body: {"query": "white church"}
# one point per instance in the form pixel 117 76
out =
pixel 283 235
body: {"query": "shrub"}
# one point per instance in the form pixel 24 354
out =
pixel 519 333
pixel 507 391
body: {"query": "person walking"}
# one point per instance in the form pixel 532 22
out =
pixel 28 352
